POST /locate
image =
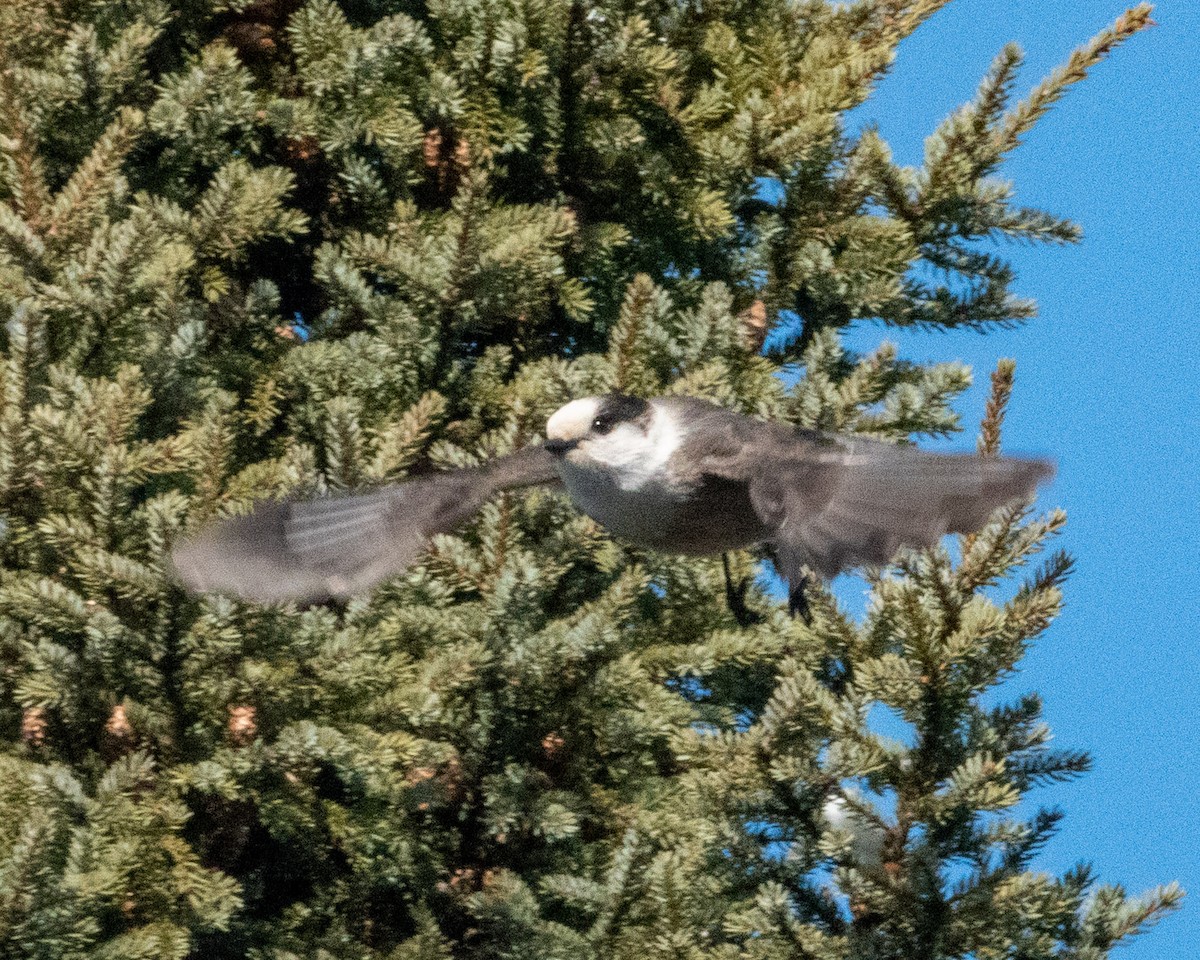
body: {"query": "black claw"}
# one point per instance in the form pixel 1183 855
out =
pixel 735 597
pixel 798 600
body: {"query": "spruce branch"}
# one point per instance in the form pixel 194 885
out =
pixel 988 442
pixel 989 430
pixel 398 444
pixel 633 339
pixel 21 242
pixel 344 443
pixel 1112 916
pixel 78 203
pixel 123 60
pixel 27 176
pixel 244 205
pixel 467 209
pixel 961 150
pixel 916 14
pixel 1021 119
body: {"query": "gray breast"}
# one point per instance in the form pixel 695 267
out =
pixel 709 517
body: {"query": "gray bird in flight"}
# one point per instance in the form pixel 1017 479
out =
pixel 675 474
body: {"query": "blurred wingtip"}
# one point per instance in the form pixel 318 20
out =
pixel 300 552
pixel 182 569
pixel 1036 471
pixel 1043 468
pixel 242 557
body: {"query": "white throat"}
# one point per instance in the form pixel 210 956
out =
pixel 637 459
pixel 621 479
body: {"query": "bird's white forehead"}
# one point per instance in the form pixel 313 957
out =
pixel 574 420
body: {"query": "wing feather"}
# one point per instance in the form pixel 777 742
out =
pixel 307 551
pixel 885 497
pixel 836 502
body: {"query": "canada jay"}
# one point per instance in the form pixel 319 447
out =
pixel 674 474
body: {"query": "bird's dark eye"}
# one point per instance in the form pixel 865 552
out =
pixel 602 424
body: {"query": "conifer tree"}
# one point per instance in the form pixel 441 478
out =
pixel 255 248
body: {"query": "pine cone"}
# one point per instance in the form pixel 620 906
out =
pixel 34 726
pixel 242 726
pixel 754 325
pixel 119 737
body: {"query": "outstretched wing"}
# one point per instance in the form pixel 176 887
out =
pixel 836 502
pixel 312 550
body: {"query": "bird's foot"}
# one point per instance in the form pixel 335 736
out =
pixel 735 598
pixel 798 600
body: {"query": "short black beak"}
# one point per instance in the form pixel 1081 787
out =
pixel 560 447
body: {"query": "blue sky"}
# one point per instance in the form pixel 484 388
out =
pixel 1108 382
